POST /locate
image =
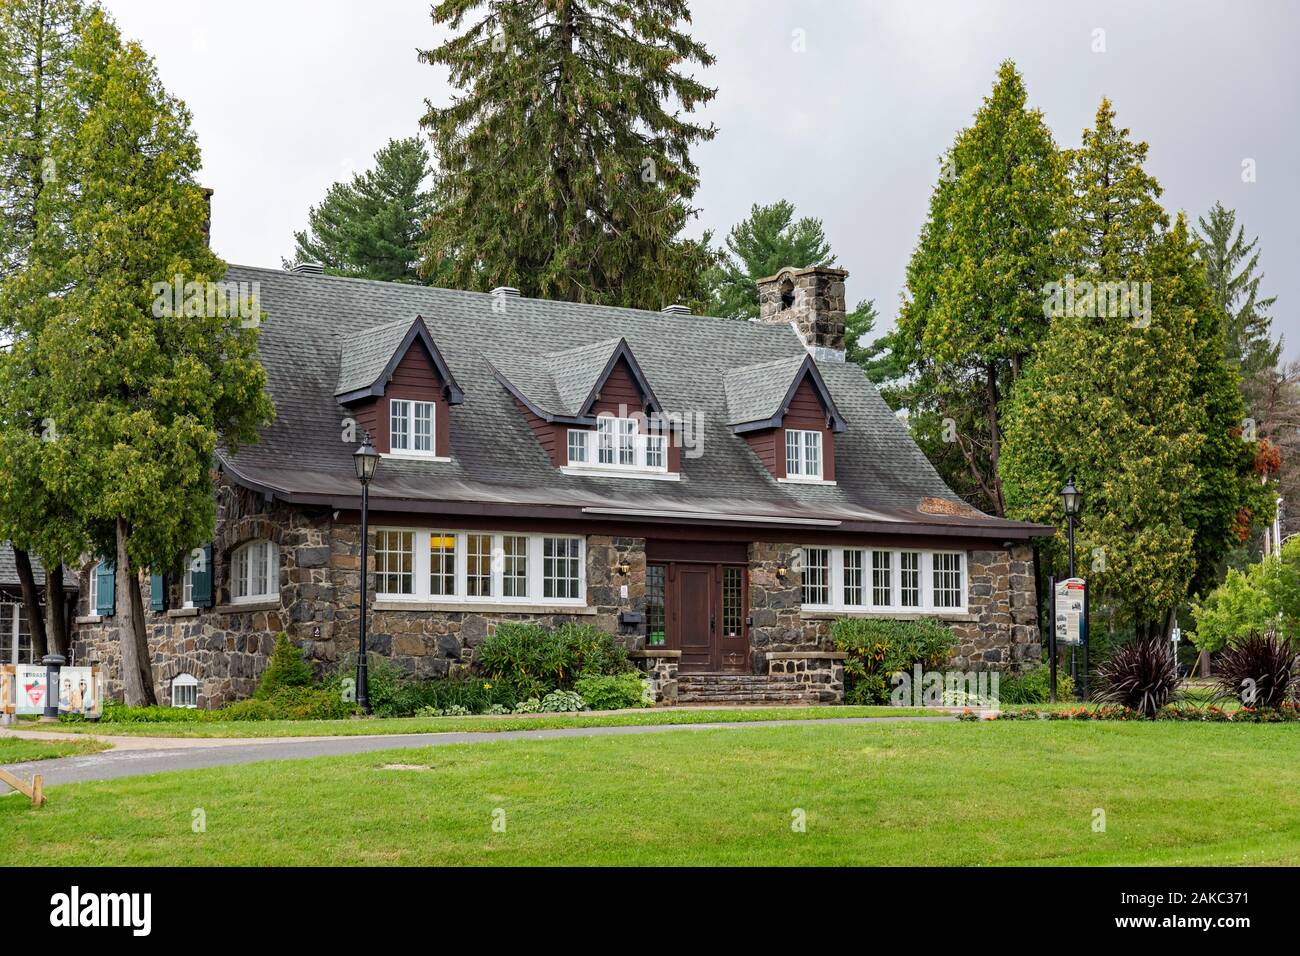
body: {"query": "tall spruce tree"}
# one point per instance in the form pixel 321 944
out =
pixel 564 162
pixel 760 245
pixel 372 227
pixel 1110 397
pixel 1232 269
pixel 142 392
pixel 972 314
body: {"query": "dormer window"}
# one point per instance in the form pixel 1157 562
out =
pixel 410 427
pixel 621 445
pixel 803 454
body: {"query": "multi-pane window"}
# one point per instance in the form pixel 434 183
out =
pixel 514 566
pixel 948 591
pixel 656 619
pixel 479 566
pixel 410 426
pixel 578 447
pixel 621 443
pixel 395 562
pixel 185 691
pixel 15 638
pixel 909 579
pixel 853 577
pixel 442 563
pixel 816 575
pixel 733 602
pixel 803 453
pixel 187 588
pixel 899 580
pixel 255 572
pixel 561 567
pixel 881 578
pixel 478 573
pixel 92 604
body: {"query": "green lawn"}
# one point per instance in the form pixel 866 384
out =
pixel 14 750
pixel 434 725
pixel 921 793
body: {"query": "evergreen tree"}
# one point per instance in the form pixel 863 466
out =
pixel 38 116
pixel 1231 266
pixel 1110 395
pixel 876 358
pixel 142 391
pixel 760 246
pixel 564 162
pixel 371 227
pixel 973 311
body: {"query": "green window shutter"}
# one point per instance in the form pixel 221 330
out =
pixel 201 580
pixel 158 592
pixel 106 605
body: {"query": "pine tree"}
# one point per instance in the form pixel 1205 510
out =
pixel 564 162
pixel 973 311
pixel 1231 266
pixel 142 391
pixel 372 227
pixel 876 358
pixel 768 240
pixel 1110 395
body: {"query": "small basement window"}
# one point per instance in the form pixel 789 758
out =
pixel 185 691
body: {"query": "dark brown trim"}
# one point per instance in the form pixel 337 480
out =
pixel 685 550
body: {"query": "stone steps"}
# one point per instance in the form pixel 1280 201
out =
pixel 735 689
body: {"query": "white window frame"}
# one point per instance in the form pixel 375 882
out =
pixel 188 681
pixel 187 588
pixel 895 606
pixel 422 592
pixel 92 608
pixel 244 572
pixel 803 470
pixel 411 410
pixel 633 450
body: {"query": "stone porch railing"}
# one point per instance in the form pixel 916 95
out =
pixel 821 671
pixel 660 665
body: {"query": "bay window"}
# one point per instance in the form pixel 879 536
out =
pixel 883 579
pixel 480 566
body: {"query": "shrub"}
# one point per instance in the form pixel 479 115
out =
pixel 614 691
pixel 290 703
pixel 116 712
pixel 534 661
pixel 879 648
pixel 561 702
pixel 530 706
pixel 383 681
pixel 1141 675
pixel 286 669
pixel 1258 670
pixel 1034 687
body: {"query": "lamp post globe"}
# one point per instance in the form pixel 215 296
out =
pixel 366 461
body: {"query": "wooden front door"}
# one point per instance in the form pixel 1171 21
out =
pixel 707 616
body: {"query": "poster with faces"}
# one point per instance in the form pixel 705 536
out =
pixel 79 691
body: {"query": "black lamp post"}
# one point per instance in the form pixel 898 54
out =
pixel 1073 502
pixel 366 460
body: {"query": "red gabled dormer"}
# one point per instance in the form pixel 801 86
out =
pixel 397 386
pixel 785 412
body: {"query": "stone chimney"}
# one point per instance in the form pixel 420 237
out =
pixel 812 301
pixel 207 219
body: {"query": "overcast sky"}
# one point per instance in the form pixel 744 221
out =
pixel 289 96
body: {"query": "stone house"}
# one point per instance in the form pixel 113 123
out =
pixel 713 492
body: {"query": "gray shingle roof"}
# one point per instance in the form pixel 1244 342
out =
pixel 365 354
pixel 9 571
pixel 557 383
pixel 497 461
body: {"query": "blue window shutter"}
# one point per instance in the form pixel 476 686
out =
pixel 201 581
pixel 158 592
pixel 106 606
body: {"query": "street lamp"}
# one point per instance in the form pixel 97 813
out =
pixel 366 460
pixel 1073 502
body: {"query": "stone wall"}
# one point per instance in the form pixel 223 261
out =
pixel 818 672
pixel 775 595
pixel 227 646
pixel 661 667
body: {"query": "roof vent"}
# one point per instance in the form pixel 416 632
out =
pixel 504 290
pixel 308 269
pixel 677 309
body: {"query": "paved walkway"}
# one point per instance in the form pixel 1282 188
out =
pixel 136 756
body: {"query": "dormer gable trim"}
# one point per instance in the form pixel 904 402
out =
pixel 806 370
pixel 418 330
pixel 621 351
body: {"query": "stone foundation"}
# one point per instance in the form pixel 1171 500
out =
pixel 820 672
pixel 661 667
